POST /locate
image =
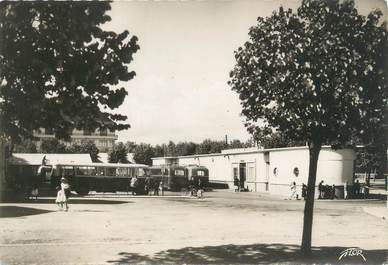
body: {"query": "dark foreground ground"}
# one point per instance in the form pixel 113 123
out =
pixel 222 228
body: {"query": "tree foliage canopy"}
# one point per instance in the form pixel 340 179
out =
pixel 53 146
pixel 143 154
pixel 315 75
pixel 118 154
pixel 276 140
pixel 59 68
pixel 25 146
pixel 85 147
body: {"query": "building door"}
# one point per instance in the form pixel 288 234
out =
pixel 267 176
pixel 243 175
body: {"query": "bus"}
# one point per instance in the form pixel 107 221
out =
pixel 23 178
pixel 172 177
pixel 100 177
pixel 198 176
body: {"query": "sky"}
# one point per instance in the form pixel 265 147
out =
pixel 180 91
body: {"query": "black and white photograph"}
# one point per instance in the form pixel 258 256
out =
pixel 194 132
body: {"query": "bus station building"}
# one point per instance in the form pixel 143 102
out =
pixel 272 170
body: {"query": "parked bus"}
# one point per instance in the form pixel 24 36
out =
pixel 24 178
pixel 173 178
pixel 198 176
pixel 100 177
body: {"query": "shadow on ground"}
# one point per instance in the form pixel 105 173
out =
pixel 16 211
pixel 72 201
pixel 251 254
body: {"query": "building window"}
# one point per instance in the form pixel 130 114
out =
pixel 235 173
pixel 296 171
pixel 251 173
pixel 275 171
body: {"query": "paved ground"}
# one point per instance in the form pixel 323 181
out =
pixel 222 228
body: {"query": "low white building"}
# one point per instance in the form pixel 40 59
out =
pixel 271 170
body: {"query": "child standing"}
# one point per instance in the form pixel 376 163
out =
pixel 63 195
pixel 61 198
pixel 293 191
pixel 35 192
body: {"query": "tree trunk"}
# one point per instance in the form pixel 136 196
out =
pixel 3 183
pixel 314 149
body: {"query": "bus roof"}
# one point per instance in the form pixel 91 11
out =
pixel 166 166
pixel 120 165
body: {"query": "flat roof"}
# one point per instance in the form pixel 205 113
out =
pixel 35 159
pixel 237 151
pixel 102 165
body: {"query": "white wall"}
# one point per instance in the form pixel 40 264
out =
pixel 285 161
pixel 334 167
pixel 158 161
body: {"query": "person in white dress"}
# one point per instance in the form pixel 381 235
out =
pixel 293 191
pixel 63 195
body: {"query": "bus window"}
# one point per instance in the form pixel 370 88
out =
pixel 141 172
pixel 81 170
pixel 179 172
pixel 111 171
pixel 68 171
pixel 122 172
pixel 130 172
pixel 156 171
pixel 201 173
pixel 92 171
pixel 100 171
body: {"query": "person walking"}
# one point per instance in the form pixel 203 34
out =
pixel 320 189
pixel 161 187
pixel 200 190
pixel 236 184
pixel 44 161
pixel 66 191
pixel 35 192
pixel 60 198
pixel 293 190
pixel 156 187
pixel 357 188
pixel 134 185
pixel 304 191
pixel 63 194
pixel 147 185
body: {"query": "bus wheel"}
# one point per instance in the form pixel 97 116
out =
pixel 82 191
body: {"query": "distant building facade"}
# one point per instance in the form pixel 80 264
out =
pixel 103 139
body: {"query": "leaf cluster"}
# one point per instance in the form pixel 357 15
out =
pixel 317 75
pixel 59 69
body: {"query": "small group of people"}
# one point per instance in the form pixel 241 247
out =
pixel 152 187
pixel 238 185
pixel 63 195
pixel 356 190
pixel 326 191
pixel 196 188
pixel 294 194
